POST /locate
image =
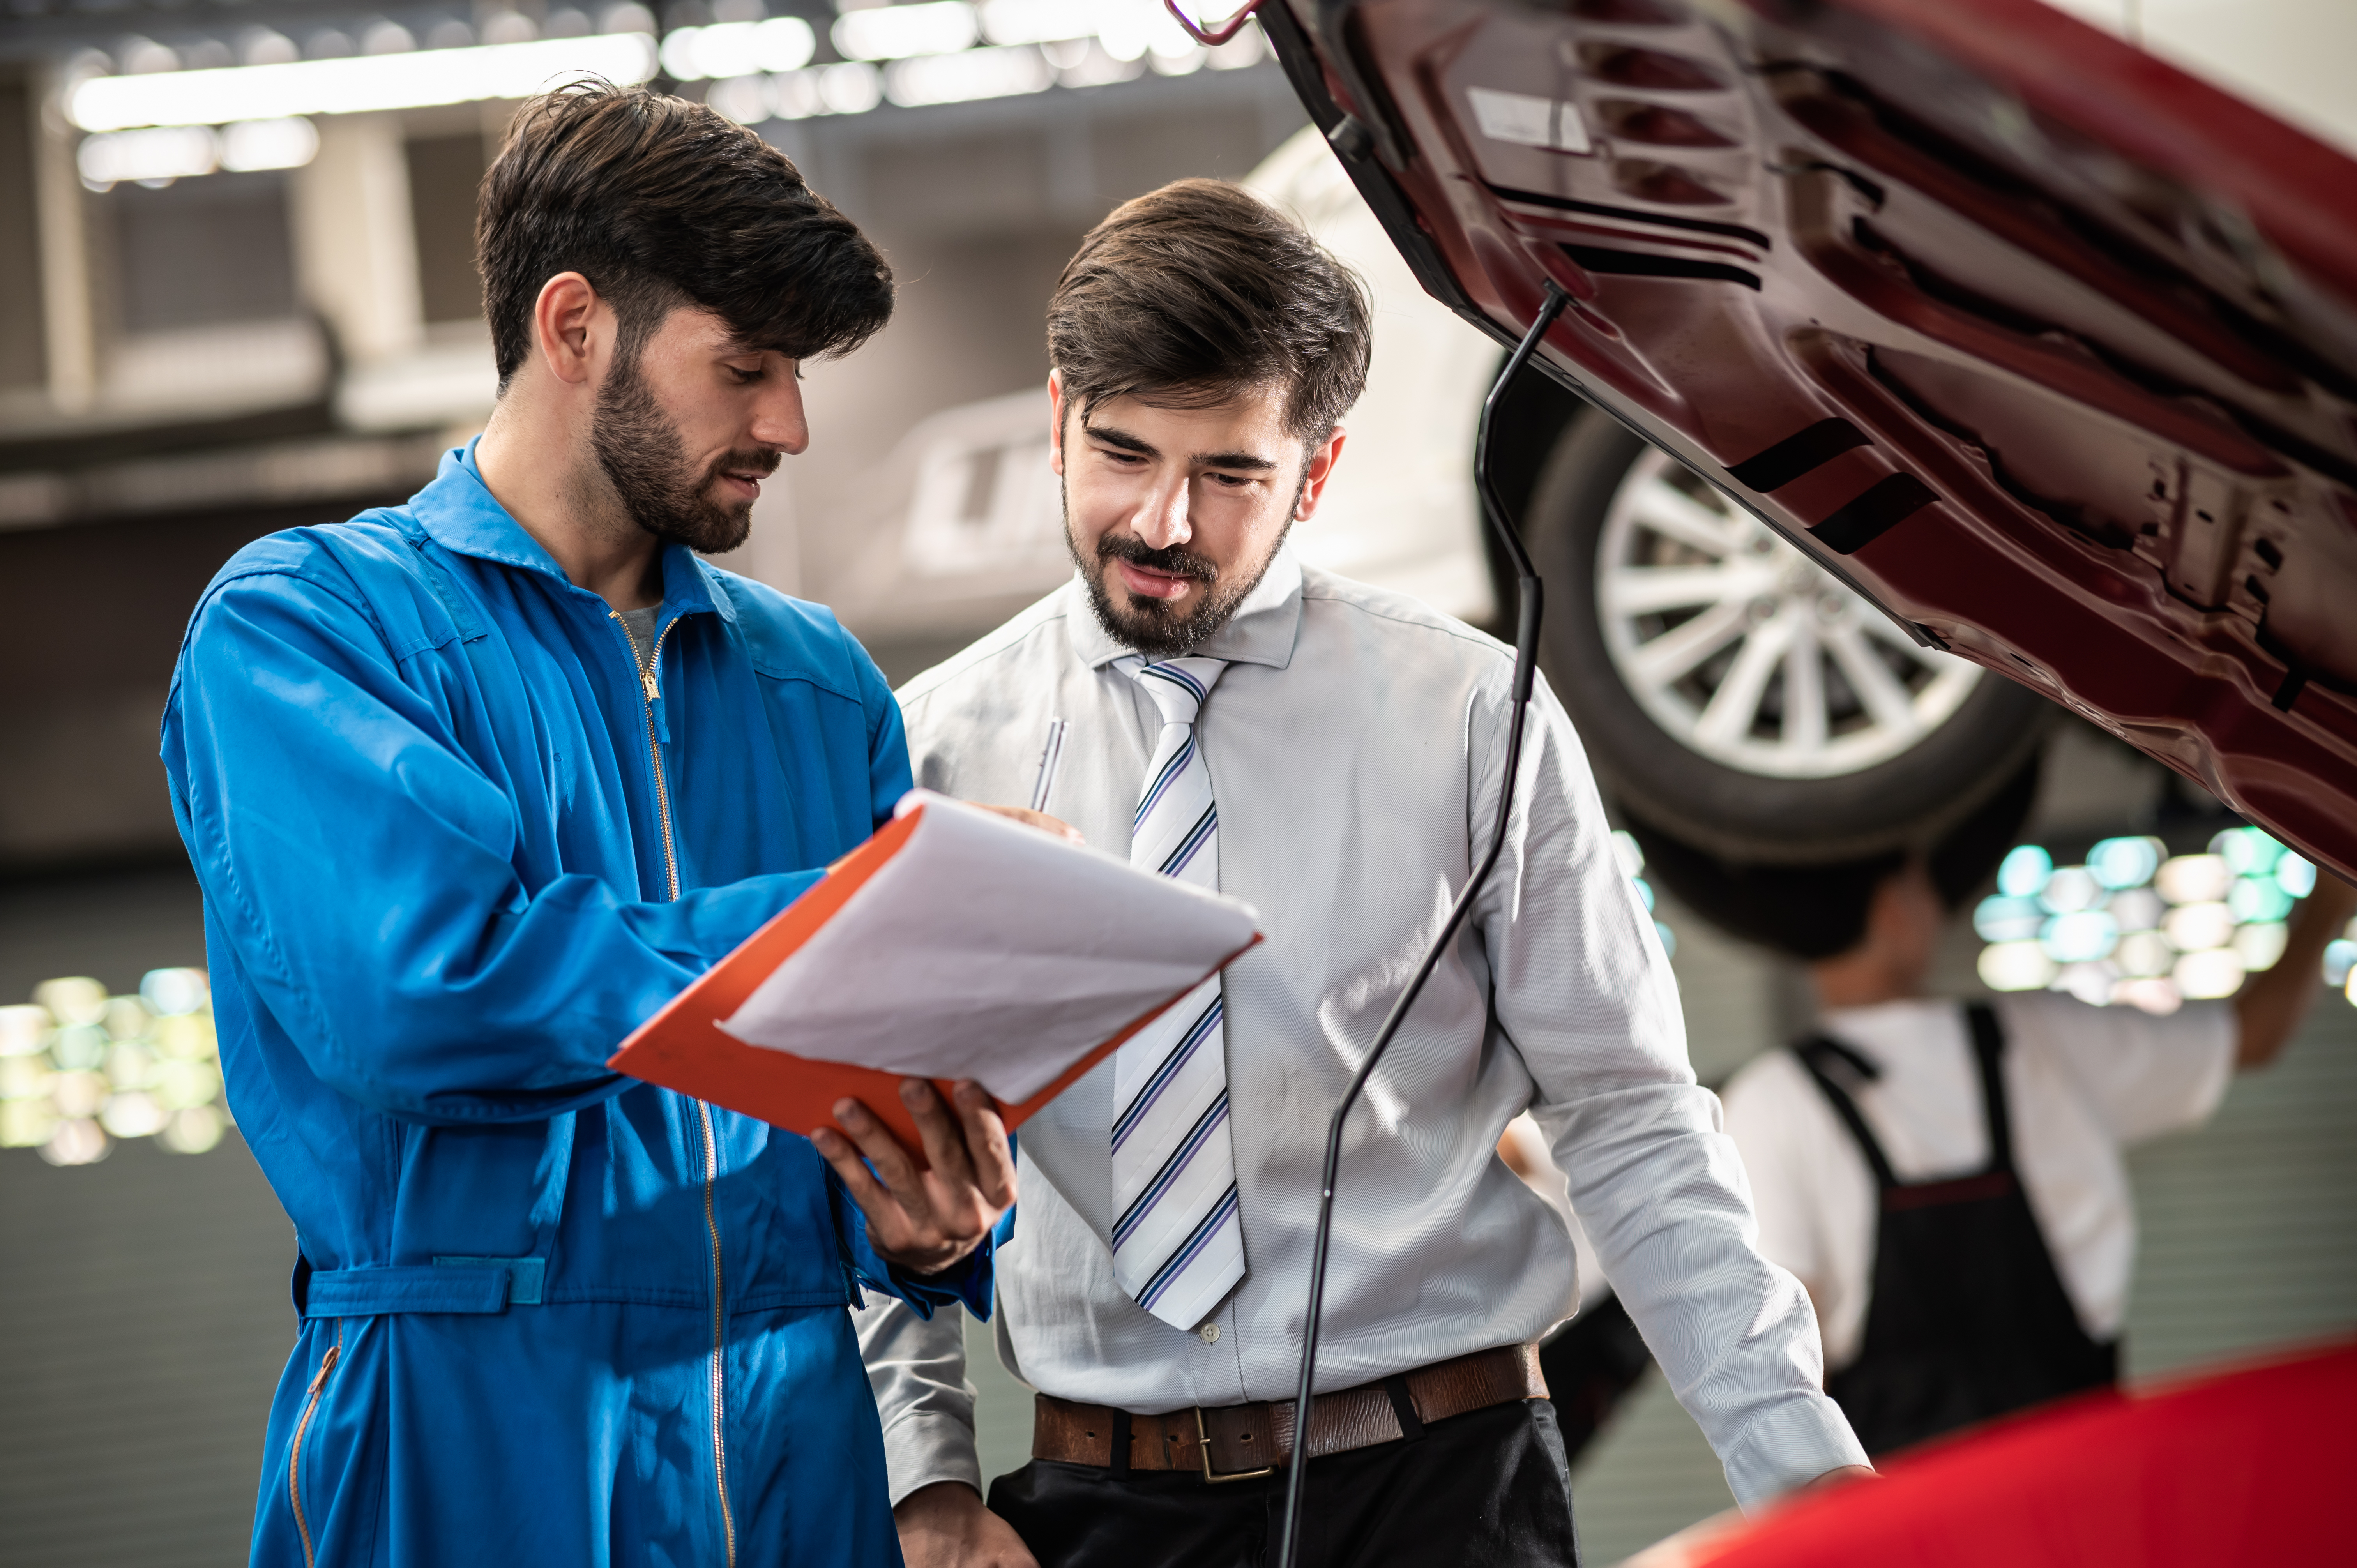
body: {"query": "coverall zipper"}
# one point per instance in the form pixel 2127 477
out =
pixel 295 1449
pixel 653 693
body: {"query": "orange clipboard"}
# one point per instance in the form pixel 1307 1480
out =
pixel 683 1047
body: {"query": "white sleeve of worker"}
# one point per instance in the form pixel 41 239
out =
pixel 916 1367
pixel 2143 1076
pixel 1584 991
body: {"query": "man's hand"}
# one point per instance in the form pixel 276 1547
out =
pixel 945 1526
pixel 923 1222
pixel 1040 820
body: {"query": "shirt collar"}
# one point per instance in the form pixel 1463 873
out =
pixel 1262 631
pixel 459 512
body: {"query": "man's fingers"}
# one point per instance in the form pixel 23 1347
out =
pixel 838 1151
pixel 893 1163
pixel 944 1143
pixel 986 1141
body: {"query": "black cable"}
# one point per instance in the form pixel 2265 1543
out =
pixel 1526 640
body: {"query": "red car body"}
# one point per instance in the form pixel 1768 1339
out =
pixel 2043 346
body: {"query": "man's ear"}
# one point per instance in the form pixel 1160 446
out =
pixel 572 327
pixel 1055 422
pixel 1322 458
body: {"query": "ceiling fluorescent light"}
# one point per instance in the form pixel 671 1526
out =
pixel 269 143
pixel 964 77
pixel 170 154
pixel 1038 21
pixel 904 32
pixel 738 49
pixel 357 83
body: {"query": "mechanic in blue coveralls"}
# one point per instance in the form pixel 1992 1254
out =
pixel 474 786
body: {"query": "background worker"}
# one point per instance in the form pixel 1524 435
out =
pixel 1947 1179
pixel 474 786
pixel 1330 754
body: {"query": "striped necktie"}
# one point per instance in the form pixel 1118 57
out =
pixel 1178 1246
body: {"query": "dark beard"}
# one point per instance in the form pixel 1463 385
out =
pixel 639 447
pixel 1151 626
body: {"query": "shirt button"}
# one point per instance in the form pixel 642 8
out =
pixel 1211 1334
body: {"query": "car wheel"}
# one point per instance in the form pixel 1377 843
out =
pixel 1731 691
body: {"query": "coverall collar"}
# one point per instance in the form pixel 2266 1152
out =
pixel 459 512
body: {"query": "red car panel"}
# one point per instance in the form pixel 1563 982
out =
pixel 2046 347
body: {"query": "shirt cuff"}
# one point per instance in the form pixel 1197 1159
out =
pixel 1789 1447
pixel 928 1445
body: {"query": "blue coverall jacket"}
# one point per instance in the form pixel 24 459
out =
pixel 453 850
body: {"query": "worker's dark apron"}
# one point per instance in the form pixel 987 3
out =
pixel 1968 1318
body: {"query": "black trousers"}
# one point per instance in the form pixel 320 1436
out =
pixel 1488 1489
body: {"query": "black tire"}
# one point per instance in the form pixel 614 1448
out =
pixel 1654 776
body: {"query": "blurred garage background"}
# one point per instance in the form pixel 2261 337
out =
pixel 212 330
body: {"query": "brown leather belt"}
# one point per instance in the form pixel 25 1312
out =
pixel 1234 1442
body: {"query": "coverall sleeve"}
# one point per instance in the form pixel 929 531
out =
pixel 1584 991
pixel 361 863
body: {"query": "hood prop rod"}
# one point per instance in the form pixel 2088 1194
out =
pixel 1526 641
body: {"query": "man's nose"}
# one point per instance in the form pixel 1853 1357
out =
pixel 779 419
pixel 1162 522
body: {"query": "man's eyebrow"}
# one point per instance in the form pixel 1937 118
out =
pixel 1247 460
pixel 1121 438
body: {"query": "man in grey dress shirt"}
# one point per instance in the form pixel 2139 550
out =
pixel 1203 349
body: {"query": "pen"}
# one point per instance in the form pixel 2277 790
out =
pixel 1048 758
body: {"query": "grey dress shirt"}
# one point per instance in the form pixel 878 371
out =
pixel 1355 750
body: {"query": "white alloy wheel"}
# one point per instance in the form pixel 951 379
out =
pixel 1744 649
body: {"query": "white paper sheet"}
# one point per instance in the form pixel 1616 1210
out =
pixel 990 951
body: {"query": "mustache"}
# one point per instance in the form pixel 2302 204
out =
pixel 1171 559
pixel 760 460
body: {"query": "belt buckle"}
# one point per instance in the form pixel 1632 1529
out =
pixel 1203 1451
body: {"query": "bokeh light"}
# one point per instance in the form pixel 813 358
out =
pixel 2193 879
pixel 2208 977
pixel 2080 936
pixel 2135 926
pixel 2126 862
pixel 81 1069
pixel 2340 961
pixel 2071 889
pixel 2247 851
pixel 2259 946
pixel 2255 899
pixel 2195 928
pixel 1631 858
pixel 2017 966
pixel 2024 872
pixel 2003 919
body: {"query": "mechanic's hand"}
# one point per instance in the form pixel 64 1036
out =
pixel 1040 820
pixel 923 1222
pixel 945 1526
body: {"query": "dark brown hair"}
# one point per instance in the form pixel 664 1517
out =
pixel 659 202
pixel 1200 292
pixel 1814 912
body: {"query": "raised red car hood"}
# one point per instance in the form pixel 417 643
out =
pixel 2043 345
